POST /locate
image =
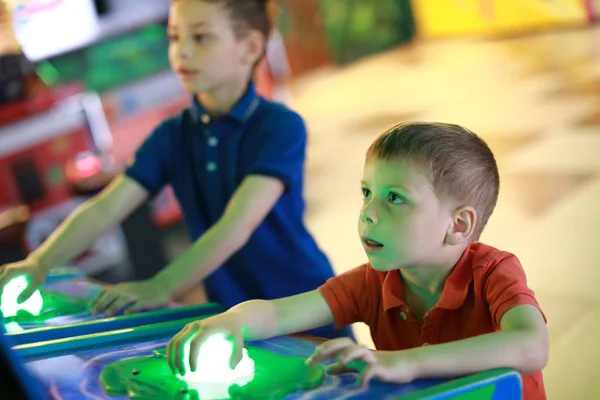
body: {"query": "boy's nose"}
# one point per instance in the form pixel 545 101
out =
pixel 186 49
pixel 368 215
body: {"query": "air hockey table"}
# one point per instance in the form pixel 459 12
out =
pixel 68 362
pixel 66 355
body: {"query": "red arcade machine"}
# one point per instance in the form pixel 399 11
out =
pixel 40 138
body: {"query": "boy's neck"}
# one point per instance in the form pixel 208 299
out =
pixel 431 279
pixel 221 101
pixel 427 282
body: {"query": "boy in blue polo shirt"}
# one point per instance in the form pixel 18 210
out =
pixel 235 162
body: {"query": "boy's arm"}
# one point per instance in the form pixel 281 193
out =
pixel 90 221
pixel 263 319
pixel 248 207
pixel 251 320
pixel 78 232
pixel 521 344
pixel 140 181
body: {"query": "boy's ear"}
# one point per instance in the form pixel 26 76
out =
pixel 255 45
pixel 463 225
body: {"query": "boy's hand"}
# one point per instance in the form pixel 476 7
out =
pixel 29 268
pixel 130 297
pixel 392 366
pixel 198 332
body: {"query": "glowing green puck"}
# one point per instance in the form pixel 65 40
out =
pixel 213 372
pixel 9 304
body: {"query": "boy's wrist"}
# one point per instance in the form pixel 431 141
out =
pixel 163 285
pixel 40 262
pixel 415 361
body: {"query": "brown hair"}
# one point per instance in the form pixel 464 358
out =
pixel 249 14
pixel 462 166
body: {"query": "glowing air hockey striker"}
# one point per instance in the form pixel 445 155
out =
pixel 213 375
pixel 9 304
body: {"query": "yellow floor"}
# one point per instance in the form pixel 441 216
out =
pixel 536 101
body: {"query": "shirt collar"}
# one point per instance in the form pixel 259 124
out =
pixel 455 289
pixel 392 290
pixel 240 111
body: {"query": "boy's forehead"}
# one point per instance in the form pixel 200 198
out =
pixel 397 169
pixel 401 173
pixel 195 13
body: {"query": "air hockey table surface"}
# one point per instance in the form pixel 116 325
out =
pixel 70 368
pixel 66 354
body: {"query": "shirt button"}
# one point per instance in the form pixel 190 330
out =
pixel 205 118
pixel 213 141
pixel 211 167
pixel 403 315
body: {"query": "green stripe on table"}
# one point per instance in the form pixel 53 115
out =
pixel 103 339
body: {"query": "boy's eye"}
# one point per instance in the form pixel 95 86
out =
pixel 201 37
pixel 366 193
pixel 172 37
pixel 394 198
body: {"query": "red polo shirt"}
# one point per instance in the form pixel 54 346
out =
pixel 484 284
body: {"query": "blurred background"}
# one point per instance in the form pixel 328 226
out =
pixel 83 82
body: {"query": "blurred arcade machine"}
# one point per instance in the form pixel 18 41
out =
pixel 593 10
pixel 56 146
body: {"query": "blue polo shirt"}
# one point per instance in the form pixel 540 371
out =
pixel 205 160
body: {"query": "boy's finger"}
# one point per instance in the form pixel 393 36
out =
pixel 26 294
pixel 168 353
pixel 178 342
pixel 119 303
pixel 338 368
pixel 101 300
pixel 134 308
pixel 356 354
pixel 238 350
pixel 329 349
pixel 366 375
pixel 195 345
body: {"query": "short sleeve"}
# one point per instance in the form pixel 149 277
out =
pixel 506 287
pixel 150 165
pixel 283 149
pixel 345 295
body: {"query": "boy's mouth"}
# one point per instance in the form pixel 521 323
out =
pixel 186 72
pixel 371 244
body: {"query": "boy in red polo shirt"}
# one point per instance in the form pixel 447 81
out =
pixel 438 303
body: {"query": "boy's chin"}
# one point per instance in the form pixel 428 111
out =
pixel 191 87
pixel 194 86
pixel 380 266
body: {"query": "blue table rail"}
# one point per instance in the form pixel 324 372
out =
pixel 48 333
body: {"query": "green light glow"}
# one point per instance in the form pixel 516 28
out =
pixel 150 377
pixel 213 375
pixel 9 304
